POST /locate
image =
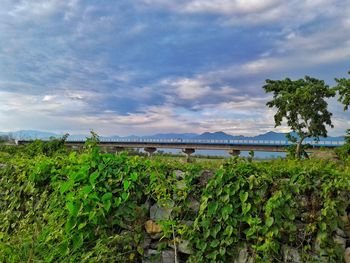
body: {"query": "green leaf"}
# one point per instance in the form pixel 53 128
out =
pixel 212 207
pixel 72 208
pixel 215 230
pixel 228 231
pixel 77 241
pixel 70 224
pixel 93 178
pixel 134 176
pixel 107 205
pixel 81 225
pixel 107 196
pixel 243 196
pixel 226 211
pixel 86 190
pixel 246 208
pixel 117 201
pixel 269 221
pixel 66 186
pixel 125 196
pixel 215 243
pixel 126 185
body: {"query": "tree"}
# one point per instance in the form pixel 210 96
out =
pixel 343 87
pixel 302 103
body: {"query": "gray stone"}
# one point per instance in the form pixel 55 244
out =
pixel 161 211
pixel 181 185
pixel 347 255
pixel 340 232
pixel 183 246
pixel 168 256
pixel 340 241
pixel 205 176
pixel 340 238
pixel 194 204
pixel 2 165
pixel 290 254
pixel 179 174
pixel 244 257
pixel 152 256
pixel 146 243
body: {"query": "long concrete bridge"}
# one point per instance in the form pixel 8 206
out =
pixel 189 146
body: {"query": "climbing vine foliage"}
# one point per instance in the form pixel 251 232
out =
pixel 63 206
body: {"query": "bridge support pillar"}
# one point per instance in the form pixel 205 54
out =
pixel 188 152
pixel 234 152
pixel 150 150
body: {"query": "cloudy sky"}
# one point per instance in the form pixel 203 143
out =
pixel 154 66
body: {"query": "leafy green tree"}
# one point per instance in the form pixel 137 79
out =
pixel 303 104
pixel 343 87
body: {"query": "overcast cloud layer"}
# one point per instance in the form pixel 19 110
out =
pixel 152 66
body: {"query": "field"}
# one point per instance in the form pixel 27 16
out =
pixel 62 206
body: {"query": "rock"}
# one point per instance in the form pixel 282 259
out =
pixel 347 255
pixel 347 230
pixel 161 211
pixel 182 246
pixel 204 177
pixel 244 257
pixel 290 254
pixel 152 227
pixel 341 233
pixel 147 205
pixel 152 256
pixel 179 174
pixel 146 243
pixel 194 204
pixel 2 165
pixel 340 241
pixel 340 238
pixel 168 256
pixel 181 185
pixel 345 219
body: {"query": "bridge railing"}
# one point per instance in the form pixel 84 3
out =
pixel 213 141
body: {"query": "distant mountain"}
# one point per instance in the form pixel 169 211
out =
pixel 218 136
pixel 271 136
pixel 32 134
pixel 171 136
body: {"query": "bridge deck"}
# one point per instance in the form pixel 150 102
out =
pixel 240 145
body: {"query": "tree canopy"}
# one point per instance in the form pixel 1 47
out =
pixel 343 87
pixel 302 103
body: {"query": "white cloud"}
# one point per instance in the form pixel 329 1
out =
pixel 28 10
pixel 213 6
pixel 189 89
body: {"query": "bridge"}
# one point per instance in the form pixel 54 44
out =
pixel 189 146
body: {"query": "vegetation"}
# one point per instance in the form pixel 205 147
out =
pixel 343 87
pixel 61 206
pixel 303 104
pixel 58 205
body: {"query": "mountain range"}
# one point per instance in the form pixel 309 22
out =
pixel 32 134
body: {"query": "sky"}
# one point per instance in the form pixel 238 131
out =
pixel 123 67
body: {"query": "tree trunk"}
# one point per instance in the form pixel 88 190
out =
pixel 298 150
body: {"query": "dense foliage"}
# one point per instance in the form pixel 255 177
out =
pixel 302 103
pixel 62 206
pixel 343 87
